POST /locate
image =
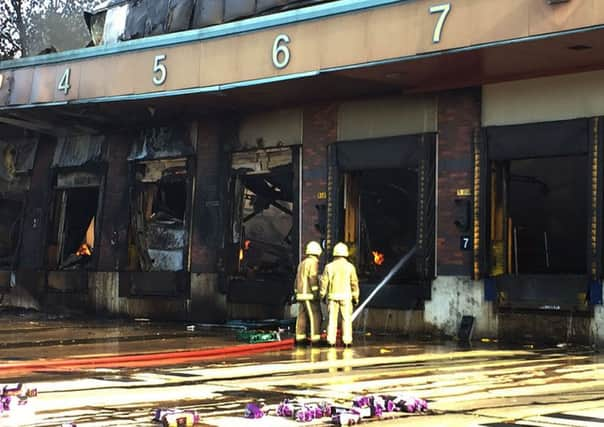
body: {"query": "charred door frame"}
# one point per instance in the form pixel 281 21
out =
pixel 99 169
pixel 406 296
pixel 481 210
pixel 228 250
pixel 179 279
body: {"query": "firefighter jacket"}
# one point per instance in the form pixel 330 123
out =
pixel 339 281
pixel 307 279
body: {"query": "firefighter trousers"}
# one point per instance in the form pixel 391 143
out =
pixel 308 323
pixel 337 307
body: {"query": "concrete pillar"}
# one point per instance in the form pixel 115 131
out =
pixel 207 303
pixel 455 297
pixel 597 326
pixel 103 292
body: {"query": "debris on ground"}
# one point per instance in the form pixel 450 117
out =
pixel 173 417
pixel 15 395
pixel 258 336
pixel 362 407
pixel 254 410
pixel 303 411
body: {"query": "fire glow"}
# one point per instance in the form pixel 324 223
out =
pixel 378 257
pixel 84 250
pixel 246 246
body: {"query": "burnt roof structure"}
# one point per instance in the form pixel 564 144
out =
pixel 119 20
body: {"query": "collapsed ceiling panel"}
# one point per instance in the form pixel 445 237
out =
pixel 161 142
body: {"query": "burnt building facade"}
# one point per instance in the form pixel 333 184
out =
pixel 177 169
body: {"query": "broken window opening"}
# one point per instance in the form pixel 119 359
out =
pixel 158 235
pixel 73 228
pixel 380 221
pixel 10 231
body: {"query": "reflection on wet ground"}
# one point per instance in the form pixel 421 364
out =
pixel 31 340
pixel 478 385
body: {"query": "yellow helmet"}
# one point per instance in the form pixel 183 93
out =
pixel 340 250
pixel 313 248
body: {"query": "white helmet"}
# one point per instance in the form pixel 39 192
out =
pixel 340 250
pixel 313 248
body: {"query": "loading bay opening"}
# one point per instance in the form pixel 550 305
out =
pixel 263 234
pixel 382 203
pixel 539 182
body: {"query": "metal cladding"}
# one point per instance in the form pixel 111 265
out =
pixel 78 151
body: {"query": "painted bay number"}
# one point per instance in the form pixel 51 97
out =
pixel 465 243
pixel 281 54
pixel 64 83
pixel 444 10
pixel 160 72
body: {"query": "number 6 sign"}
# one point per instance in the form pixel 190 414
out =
pixel 281 53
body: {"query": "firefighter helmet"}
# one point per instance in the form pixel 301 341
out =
pixel 313 248
pixel 340 249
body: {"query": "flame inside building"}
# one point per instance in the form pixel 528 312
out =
pixel 86 247
pixel 378 257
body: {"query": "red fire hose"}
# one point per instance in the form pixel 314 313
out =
pixel 142 360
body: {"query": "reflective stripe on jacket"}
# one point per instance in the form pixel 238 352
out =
pixel 339 281
pixel 307 279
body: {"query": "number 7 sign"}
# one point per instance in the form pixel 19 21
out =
pixel 465 243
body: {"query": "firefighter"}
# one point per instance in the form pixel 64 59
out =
pixel 340 286
pixel 307 296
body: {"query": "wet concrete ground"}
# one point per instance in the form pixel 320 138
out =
pixel 487 384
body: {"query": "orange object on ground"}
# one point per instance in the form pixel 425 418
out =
pixel 141 360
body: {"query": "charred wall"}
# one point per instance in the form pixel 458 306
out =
pixel 113 250
pixel 207 213
pixel 33 253
pixel 208 299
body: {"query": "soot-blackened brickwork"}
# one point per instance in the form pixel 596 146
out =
pixel 319 130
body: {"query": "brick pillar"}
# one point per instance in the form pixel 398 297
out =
pixel 37 211
pixel 207 218
pixel 320 130
pixel 458 115
pixel 113 255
